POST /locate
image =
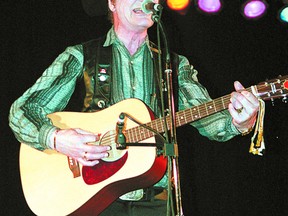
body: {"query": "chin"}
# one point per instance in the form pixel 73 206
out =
pixel 145 24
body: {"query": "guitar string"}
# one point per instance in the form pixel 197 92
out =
pixel 218 102
pixel 155 123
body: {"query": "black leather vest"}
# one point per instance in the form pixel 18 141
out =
pixel 93 93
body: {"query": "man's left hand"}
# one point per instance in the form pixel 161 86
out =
pixel 243 108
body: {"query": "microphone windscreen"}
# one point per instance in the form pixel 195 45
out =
pixel 95 7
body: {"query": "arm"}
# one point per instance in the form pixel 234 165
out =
pixel 51 93
pixel 220 126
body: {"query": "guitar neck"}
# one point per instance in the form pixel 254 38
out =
pixel 182 117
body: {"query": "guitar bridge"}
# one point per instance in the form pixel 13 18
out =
pixel 74 167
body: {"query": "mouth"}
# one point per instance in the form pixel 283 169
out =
pixel 138 11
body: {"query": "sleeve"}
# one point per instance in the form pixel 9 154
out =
pixel 218 126
pixel 51 92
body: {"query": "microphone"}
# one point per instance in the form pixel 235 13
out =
pixel 148 6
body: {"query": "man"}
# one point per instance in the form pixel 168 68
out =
pixel 133 77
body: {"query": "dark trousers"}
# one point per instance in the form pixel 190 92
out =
pixel 136 208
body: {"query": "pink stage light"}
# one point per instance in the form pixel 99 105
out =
pixel 209 6
pixel 254 9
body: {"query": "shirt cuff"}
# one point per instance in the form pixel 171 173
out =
pixel 44 135
pixel 232 128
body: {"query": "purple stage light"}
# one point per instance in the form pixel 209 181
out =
pixel 209 6
pixel 254 9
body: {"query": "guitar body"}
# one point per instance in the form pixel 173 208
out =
pixel 49 186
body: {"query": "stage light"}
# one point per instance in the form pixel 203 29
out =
pixel 283 14
pixel 254 9
pixel 178 5
pixel 210 6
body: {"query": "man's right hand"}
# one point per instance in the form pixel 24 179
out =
pixel 75 143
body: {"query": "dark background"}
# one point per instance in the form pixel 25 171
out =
pixel 217 178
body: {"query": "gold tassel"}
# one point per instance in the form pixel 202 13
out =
pixel 259 147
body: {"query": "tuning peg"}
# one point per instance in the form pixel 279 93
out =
pixel 285 99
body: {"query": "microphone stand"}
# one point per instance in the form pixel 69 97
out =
pixel 171 146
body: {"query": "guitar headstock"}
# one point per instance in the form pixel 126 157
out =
pixel 272 89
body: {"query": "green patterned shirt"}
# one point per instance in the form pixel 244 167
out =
pixel 132 78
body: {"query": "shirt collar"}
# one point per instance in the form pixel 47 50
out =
pixel 111 38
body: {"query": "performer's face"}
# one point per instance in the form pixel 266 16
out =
pixel 128 14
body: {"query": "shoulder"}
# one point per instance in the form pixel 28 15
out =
pixel 75 50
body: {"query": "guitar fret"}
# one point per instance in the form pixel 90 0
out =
pixel 199 114
pixel 218 105
pixel 191 114
pixel 178 118
pixel 162 125
pixel 223 102
pixel 184 117
pixel 134 135
pixel 156 124
pixel 206 109
pixel 139 134
pixel 128 134
pixel 214 105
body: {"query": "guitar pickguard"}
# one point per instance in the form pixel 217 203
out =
pixel 102 171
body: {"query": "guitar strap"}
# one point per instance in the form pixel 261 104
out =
pixel 92 91
pixel 97 75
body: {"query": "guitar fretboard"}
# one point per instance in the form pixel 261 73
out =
pixel 182 117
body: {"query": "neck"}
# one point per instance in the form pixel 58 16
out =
pixel 132 39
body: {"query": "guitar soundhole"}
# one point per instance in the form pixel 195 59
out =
pixel 102 171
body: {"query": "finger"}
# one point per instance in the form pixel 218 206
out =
pixel 237 117
pixel 235 101
pixel 94 155
pixel 250 98
pixel 88 137
pixel 95 148
pixel 87 162
pixel 97 156
pixel 246 100
pixel 238 86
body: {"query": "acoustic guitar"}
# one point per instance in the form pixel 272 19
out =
pixel 56 185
